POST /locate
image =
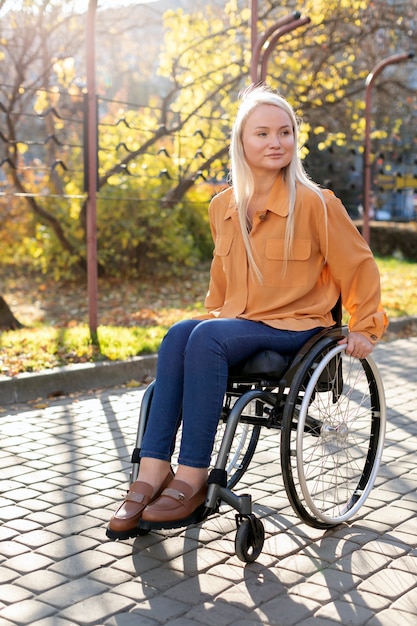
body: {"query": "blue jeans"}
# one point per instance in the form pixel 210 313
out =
pixel 191 380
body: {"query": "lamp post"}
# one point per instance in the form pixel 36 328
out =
pixel 282 26
pixel 370 79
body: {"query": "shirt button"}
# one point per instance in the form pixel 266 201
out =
pixel 262 217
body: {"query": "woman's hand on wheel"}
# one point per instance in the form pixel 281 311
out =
pixel 357 345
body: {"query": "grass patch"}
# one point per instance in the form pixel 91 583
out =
pixel 44 347
pixel 399 286
pixel 36 349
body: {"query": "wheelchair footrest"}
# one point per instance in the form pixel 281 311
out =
pixel 135 456
pixel 218 477
pixel 197 517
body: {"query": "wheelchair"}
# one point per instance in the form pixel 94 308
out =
pixel 330 411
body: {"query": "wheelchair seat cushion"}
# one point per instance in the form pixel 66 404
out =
pixel 262 364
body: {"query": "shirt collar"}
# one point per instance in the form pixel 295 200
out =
pixel 277 200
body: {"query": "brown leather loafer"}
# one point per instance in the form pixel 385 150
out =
pixel 176 506
pixel 124 523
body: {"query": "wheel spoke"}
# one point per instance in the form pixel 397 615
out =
pixel 331 469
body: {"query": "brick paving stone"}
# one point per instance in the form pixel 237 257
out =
pixel 36 505
pixel 135 590
pixel 22 525
pixel 198 560
pixel 407 563
pixel 26 612
pixel 345 613
pixel 63 482
pixel 94 500
pixel 321 593
pixel 118 549
pixel 170 549
pixel 45 487
pixel 21 494
pixel 96 609
pixel 37 583
pixel 390 546
pixel 23 564
pixel 59 497
pixel 38 476
pixel 74 487
pixel 184 621
pixel 409 538
pixel 37 538
pixel 198 589
pixel 286 610
pixel 67 547
pixel 11 548
pixel 136 564
pixel 100 514
pixel 81 564
pixel 7 533
pixel 162 610
pixel 366 599
pixel 52 621
pixel 44 518
pixel 388 583
pixel 96 532
pixel 7 575
pixel 390 617
pixel 301 564
pixel 72 525
pixel 361 563
pixel 110 576
pixel 216 612
pixel 71 592
pixel 315 621
pixel 254 590
pixel 68 510
pixel 407 603
pixel 336 579
pixel 130 619
pixel 163 578
pixel 12 512
pixel 9 594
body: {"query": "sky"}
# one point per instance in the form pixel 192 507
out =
pixel 114 3
pixel 80 6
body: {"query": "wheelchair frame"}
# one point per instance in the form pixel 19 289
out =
pixel 330 409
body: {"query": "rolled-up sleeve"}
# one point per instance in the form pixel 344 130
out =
pixel 353 267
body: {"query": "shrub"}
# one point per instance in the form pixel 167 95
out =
pixel 397 239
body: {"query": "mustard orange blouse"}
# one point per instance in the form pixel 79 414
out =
pixel 327 259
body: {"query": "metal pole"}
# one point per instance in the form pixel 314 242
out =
pixel 273 42
pixel 257 42
pixel 92 282
pixel 254 36
pixel 370 79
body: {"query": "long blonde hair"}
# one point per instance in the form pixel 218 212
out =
pixel 242 178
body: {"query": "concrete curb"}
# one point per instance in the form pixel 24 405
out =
pixel 86 376
pixel 71 378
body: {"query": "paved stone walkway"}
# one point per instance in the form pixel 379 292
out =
pixel 64 466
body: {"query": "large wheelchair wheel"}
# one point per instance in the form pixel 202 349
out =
pixel 332 435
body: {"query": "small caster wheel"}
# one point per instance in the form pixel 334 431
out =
pixel 249 539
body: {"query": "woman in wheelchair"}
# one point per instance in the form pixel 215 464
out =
pixel 285 250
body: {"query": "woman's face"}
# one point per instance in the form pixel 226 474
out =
pixel 268 139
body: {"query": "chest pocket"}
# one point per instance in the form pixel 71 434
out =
pixel 296 273
pixel 223 244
